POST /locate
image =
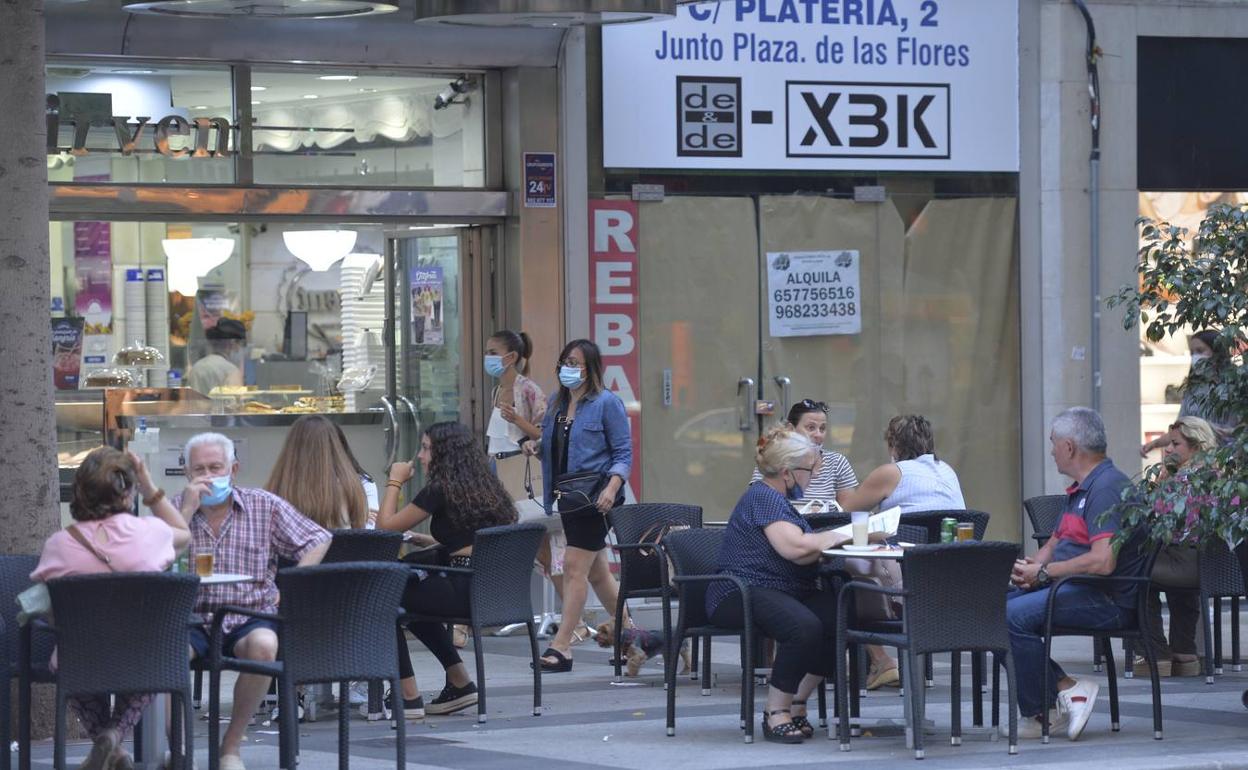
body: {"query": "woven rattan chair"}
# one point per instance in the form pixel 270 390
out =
pixel 502 563
pixel 931 521
pixel 947 609
pixel 1044 511
pixel 643 570
pixel 695 557
pixel 336 625
pixel 1220 577
pixel 1132 633
pixel 15 578
pixel 830 520
pixel 363 545
pixel 124 633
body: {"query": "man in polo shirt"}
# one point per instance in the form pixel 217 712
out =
pixel 246 530
pixel 1082 545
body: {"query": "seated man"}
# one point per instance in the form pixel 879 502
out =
pixel 246 530
pixel 1082 545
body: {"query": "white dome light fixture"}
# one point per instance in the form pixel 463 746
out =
pixel 319 249
pixel 192 258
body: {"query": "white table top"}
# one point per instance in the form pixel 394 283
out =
pixel 881 553
pixel 221 578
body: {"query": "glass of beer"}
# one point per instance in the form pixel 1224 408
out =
pixel 203 563
pixel 859 521
pixel 966 531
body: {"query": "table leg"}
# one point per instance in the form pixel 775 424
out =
pixel 153 740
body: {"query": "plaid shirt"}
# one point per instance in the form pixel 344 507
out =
pixel 260 528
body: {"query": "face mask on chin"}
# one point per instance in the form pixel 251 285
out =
pixel 794 492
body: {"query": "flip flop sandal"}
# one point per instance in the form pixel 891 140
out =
pixel 564 662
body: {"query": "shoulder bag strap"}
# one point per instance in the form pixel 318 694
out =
pixel 76 534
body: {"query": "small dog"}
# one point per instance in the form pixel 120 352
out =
pixel 639 646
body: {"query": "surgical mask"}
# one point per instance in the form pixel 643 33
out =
pixel 570 376
pixel 1199 357
pixel 219 491
pixel 794 492
pixel 494 366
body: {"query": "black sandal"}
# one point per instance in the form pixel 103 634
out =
pixel 788 732
pixel 564 663
pixel 803 724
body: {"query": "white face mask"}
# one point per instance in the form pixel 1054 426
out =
pixel 1200 357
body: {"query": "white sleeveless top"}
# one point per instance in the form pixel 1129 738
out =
pixel 927 484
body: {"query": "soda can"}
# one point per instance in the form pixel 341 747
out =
pixel 948 529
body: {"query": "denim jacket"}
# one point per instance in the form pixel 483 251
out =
pixel 600 439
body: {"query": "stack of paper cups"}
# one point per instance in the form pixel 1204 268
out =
pixel 158 321
pixel 134 305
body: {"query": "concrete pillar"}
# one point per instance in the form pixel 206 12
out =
pixel 28 473
pixel 27 423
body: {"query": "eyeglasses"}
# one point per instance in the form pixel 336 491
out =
pixel 573 364
pixel 819 406
pixel 810 470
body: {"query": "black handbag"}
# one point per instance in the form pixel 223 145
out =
pixel 577 493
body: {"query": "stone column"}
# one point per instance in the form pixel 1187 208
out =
pixel 28 472
pixel 27 424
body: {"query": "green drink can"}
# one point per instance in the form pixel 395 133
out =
pixel 948 529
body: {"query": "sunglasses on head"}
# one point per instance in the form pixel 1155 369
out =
pixel 809 405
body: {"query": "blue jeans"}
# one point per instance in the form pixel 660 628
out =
pixel 1077 605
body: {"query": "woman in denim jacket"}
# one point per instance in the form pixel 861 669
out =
pixel 585 429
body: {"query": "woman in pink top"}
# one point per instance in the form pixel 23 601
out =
pixel 106 537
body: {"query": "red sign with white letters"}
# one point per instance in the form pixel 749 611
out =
pixel 614 284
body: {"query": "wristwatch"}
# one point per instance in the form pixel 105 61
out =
pixel 1042 576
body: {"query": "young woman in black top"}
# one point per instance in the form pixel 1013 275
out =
pixel 461 495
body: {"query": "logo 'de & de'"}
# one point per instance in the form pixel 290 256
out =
pixel 708 117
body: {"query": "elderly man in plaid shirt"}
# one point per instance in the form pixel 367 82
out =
pixel 246 530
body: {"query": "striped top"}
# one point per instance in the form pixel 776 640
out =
pixel 835 474
pixel 927 484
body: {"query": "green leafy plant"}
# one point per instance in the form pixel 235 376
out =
pixel 1203 285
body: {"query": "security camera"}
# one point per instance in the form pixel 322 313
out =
pixel 450 94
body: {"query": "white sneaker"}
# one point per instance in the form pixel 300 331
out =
pixel 358 694
pixel 1078 703
pixel 1030 728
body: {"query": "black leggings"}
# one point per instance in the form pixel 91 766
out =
pixel 435 595
pixel 803 626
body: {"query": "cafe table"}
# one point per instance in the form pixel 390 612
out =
pixel 154 740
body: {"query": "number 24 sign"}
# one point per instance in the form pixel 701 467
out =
pixel 539 180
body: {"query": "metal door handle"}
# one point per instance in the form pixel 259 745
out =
pixel 786 397
pixel 745 392
pixel 407 404
pixel 391 431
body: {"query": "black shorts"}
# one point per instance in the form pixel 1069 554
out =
pixel 587 532
pixel 200 641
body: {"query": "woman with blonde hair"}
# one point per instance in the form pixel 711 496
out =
pixel 770 547
pixel 314 473
pixel 1177 569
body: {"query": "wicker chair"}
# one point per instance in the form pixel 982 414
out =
pixel 363 545
pixel 21 651
pixel 931 521
pixel 124 633
pixel 502 562
pixel 695 557
pixel 336 625
pixel 1220 577
pixel 830 520
pixel 1044 511
pixel 946 610
pixel 643 570
pixel 1133 632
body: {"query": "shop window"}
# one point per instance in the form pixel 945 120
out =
pixel 125 123
pixel 367 129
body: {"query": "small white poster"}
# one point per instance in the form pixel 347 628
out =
pixel 811 293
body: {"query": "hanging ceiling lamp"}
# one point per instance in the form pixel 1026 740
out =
pixel 319 249
pixel 542 13
pixel 192 258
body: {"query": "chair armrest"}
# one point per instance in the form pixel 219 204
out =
pixel 1097 581
pixel 439 568
pixel 860 585
pixel 741 585
pixel 632 546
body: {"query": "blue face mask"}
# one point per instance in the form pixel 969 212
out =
pixel 794 492
pixel 494 366
pixel 570 376
pixel 219 492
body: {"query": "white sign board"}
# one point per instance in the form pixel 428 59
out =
pixel 813 292
pixel 876 85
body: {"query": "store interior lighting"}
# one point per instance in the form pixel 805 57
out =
pixel 192 258
pixel 319 249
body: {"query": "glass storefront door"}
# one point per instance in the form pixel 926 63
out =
pixel 437 334
pixel 936 334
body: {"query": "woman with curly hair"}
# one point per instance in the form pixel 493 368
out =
pixel 461 495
